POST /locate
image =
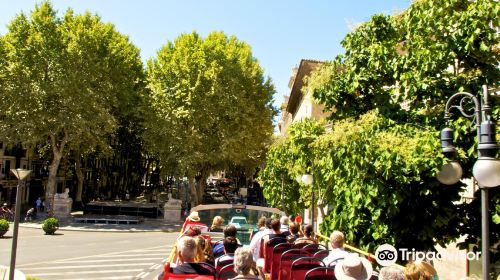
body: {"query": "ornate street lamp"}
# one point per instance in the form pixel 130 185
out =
pixel 486 170
pixel 308 180
pixel 20 174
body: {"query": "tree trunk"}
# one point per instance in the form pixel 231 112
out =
pixel 146 180
pixel 322 210
pixel 79 176
pixel 57 151
pixel 202 184
pixel 194 194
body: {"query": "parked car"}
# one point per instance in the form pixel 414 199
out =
pixel 238 221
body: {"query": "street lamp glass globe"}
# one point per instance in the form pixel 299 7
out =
pixel 298 179
pixel 450 173
pixel 487 172
pixel 307 179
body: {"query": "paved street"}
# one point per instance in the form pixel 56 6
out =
pixel 89 255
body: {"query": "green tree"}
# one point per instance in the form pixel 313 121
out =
pixel 406 67
pixel 210 106
pixel 379 181
pixel 63 80
pixel 288 158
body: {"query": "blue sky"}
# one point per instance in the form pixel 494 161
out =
pixel 280 32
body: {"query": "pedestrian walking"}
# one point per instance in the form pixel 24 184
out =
pixel 38 205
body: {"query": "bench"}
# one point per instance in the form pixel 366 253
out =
pixel 109 219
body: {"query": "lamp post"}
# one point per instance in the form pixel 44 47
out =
pixel 308 180
pixel 20 174
pixel 486 170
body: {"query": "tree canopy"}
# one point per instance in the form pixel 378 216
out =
pixel 210 105
pixel 376 169
pixel 65 81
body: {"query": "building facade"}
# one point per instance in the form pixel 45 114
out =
pixel 300 105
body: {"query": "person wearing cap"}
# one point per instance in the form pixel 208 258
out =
pixel 193 220
pixel 337 253
pixel 392 272
pixel 353 268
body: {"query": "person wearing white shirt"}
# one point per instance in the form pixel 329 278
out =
pixel 256 239
pixel 284 225
pixel 337 254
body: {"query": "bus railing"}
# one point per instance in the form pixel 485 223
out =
pixel 368 255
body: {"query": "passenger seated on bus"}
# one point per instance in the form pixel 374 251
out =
pixel 337 253
pixel 194 220
pixel 285 225
pixel 230 245
pixel 256 240
pixel 217 224
pixel 192 231
pixel 186 252
pixel 294 232
pixel 308 237
pixel 218 248
pixel 261 225
pixel 354 267
pixel 244 265
pixel 203 250
pixel 391 273
pixel 419 270
pixel 275 231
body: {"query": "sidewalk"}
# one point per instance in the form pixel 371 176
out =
pixel 149 225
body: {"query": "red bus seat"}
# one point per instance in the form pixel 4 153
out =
pixel 321 273
pixel 287 258
pixel 302 265
pixel 275 262
pixel 268 251
pixel 227 272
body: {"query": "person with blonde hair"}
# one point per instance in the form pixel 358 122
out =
pixel 217 224
pixel 186 254
pixel 244 264
pixel 419 270
pixel 203 250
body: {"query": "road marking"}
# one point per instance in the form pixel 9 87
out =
pixel 136 255
pixel 153 250
pixel 102 278
pixel 87 266
pixel 156 266
pixel 93 256
pixel 84 272
pixel 111 260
